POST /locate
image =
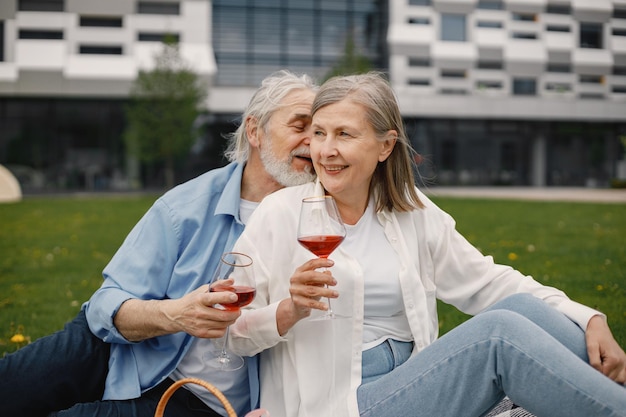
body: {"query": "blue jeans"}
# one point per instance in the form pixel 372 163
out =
pixel 63 375
pixel 520 347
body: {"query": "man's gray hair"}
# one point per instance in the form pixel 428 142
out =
pixel 265 101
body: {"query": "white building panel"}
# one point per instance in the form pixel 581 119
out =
pixel 46 55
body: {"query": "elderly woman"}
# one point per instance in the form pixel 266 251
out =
pixel 401 253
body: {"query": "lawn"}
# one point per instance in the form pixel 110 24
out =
pixel 54 249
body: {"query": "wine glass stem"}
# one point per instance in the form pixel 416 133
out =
pixel 224 358
pixel 330 312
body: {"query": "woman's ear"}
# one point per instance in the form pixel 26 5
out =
pixel 252 130
pixel 387 145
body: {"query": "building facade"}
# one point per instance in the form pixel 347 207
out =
pixel 524 92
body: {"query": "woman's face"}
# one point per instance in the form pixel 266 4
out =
pixel 345 151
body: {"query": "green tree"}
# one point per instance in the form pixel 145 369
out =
pixel 352 62
pixel 165 102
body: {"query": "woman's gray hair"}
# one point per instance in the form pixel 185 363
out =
pixel 265 101
pixel 393 182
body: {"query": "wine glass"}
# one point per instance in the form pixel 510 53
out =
pixel 237 267
pixel 321 230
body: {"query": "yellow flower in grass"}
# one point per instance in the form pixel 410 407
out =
pixel 18 338
pixel 512 256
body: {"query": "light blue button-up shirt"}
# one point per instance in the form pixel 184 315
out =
pixel 171 251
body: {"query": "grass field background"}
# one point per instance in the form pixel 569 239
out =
pixel 54 249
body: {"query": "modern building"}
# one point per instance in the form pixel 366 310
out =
pixel 525 92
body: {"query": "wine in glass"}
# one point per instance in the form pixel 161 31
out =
pixel 321 230
pixel 237 267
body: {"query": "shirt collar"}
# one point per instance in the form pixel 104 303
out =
pixel 229 199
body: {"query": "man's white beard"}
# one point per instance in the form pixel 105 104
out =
pixel 282 171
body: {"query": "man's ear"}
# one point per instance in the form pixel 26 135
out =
pixel 252 130
pixel 387 145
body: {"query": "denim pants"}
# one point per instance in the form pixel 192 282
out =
pixel 63 375
pixel 521 347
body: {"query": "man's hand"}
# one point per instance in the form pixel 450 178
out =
pixel 604 353
pixel 195 314
pixel 308 287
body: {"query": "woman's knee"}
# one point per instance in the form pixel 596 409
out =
pixel 521 303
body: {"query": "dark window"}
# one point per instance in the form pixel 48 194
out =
pixel 558 9
pixel 620 89
pixel 558 28
pixel 452 73
pixel 420 2
pixel 101 21
pixel 523 35
pixel 453 27
pixel 490 5
pixel 591 96
pixel 419 21
pixel 493 85
pixel 495 65
pixel 558 87
pixel 557 67
pixel 591 35
pixel 524 17
pixel 419 81
pixel 591 79
pixel 448 154
pixel 41 5
pixel 153 7
pixel 1 40
pixel 453 92
pixel 617 70
pixel 158 37
pixel 619 32
pixel 619 13
pixel 100 50
pixel 489 24
pixel 40 34
pixel 524 86
pixel 419 62
pixel 508 156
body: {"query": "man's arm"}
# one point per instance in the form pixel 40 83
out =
pixel 194 314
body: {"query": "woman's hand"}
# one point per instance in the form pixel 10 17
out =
pixel 307 287
pixel 604 353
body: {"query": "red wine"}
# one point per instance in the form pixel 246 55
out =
pixel 321 246
pixel 245 295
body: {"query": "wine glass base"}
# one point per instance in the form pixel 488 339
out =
pixel 328 316
pixel 223 360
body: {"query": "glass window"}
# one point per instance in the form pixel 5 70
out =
pixel 591 35
pixel 453 27
pixel 490 24
pixel 558 67
pixel 419 81
pixel 619 13
pixel 153 7
pixel 40 34
pixel 1 40
pixel 523 35
pixel 419 62
pixel 524 86
pixel 493 65
pixel 99 50
pixel 558 87
pixel 452 73
pixel 158 37
pixel 493 85
pixel 558 28
pixel 619 89
pixel 490 5
pixel 420 3
pixel 617 70
pixel 591 79
pixel 558 9
pixel 418 21
pixel 619 32
pixel 41 5
pixel 524 17
pixel 101 21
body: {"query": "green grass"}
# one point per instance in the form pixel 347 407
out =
pixel 54 250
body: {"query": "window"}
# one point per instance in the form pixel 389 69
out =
pixel 419 21
pixel 619 13
pixel 524 17
pixel 41 5
pixel 101 21
pixel 619 32
pixel 558 87
pixel 453 92
pixel 558 9
pixel 591 79
pixel 452 73
pixel 453 27
pixel 419 81
pixel 99 50
pixel 490 5
pixel 488 85
pixel 490 24
pixel 524 86
pixel 158 37
pixel 591 35
pixel 591 96
pixel 619 89
pixel 493 65
pixel 617 70
pixel 420 3
pixel 558 28
pixel 523 35
pixel 152 7
pixel 40 34
pixel 419 62
pixel 1 40
pixel 557 67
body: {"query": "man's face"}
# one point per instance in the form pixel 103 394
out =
pixel 284 142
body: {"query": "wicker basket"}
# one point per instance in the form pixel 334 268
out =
pixel 170 391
